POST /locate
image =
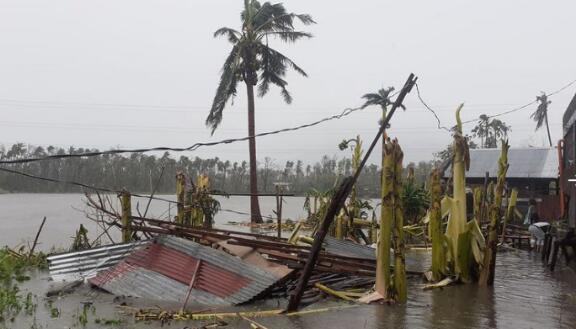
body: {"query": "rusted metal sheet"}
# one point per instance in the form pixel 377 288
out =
pixel 170 262
pixel 80 265
pixel 180 267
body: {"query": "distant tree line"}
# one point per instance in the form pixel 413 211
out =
pixel 140 172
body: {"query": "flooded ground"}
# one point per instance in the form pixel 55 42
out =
pixel 525 295
pixel 22 214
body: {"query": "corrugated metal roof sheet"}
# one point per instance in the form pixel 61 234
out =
pixel 348 249
pixel 79 265
pixel 351 249
pixel 524 163
pixel 170 262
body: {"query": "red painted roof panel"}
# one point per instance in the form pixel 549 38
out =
pixel 180 267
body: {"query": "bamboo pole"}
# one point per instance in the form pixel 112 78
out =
pixel 125 200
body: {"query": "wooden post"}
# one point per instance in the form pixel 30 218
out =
pixel 187 219
pixel 483 202
pixel 555 249
pixel 36 238
pixel 125 200
pixel 279 192
pixel 546 247
pixel 334 208
pixel 509 212
pixel 180 196
pixel 192 283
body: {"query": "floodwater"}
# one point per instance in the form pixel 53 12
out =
pixel 21 215
pixel 525 294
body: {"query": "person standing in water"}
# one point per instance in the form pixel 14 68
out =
pixel 537 227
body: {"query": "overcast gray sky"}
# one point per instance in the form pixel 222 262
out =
pixel 137 73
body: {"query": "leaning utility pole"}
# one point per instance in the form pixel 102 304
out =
pixel 338 201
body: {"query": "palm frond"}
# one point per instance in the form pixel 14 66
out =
pixel 380 98
pixel 232 35
pixel 226 89
pixel 266 12
pixel 284 22
pixel 282 58
pixel 289 36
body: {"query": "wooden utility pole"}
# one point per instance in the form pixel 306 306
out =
pixel 279 201
pixel 337 203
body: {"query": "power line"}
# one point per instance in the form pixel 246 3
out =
pixel 525 105
pixel 429 108
pixel 193 147
pixel 494 115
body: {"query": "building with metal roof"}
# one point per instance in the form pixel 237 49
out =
pixel 568 165
pixel 525 163
pixel 169 267
pixel 534 171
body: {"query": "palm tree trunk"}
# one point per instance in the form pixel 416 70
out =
pixel 255 215
pixel 548 128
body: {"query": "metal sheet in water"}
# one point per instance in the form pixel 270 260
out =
pixel 166 267
pixel 80 265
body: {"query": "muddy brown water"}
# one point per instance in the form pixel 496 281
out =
pixel 525 294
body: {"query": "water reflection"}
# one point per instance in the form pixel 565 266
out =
pixel 525 295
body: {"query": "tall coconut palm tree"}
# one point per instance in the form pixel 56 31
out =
pixel 541 114
pixel 253 62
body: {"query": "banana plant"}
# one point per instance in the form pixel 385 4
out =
pixel 460 249
pixel 489 261
pixel 391 225
pixel 439 266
